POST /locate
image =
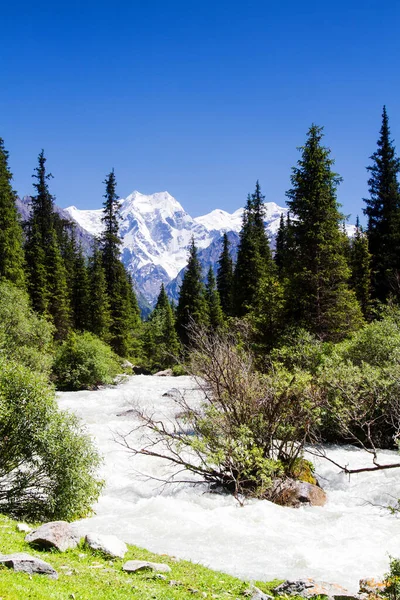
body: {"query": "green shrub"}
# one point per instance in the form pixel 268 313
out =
pixel 377 344
pixel 24 336
pixel 47 464
pixel 83 362
pixel 392 580
pixel 250 427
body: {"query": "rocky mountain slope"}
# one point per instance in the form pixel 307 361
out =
pixel 156 232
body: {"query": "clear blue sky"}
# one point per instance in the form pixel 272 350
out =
pixel 199 98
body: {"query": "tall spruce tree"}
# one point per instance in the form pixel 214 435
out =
pixel 58 300
pixel 160 340
pixel 215 314
pixel 280 244
pixel 99 305
pixel 80 292
pixel 383 212
pixel 254 258
pixel 11 251
pixel 47 283
pixel 360 266
pixel 192 305
pixel 319 297
pixel 124 316
pixel 225 278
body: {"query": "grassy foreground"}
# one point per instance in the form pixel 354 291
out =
pixel 86 575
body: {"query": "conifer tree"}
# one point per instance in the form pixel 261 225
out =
pixel 99 306
pixel 215 314
pixel 160 340
pixel 80 292
pixel 280 244
pixel 162 300
pixel 37 272
pixel 11 251
pixel 46 271
pixel 254 259
pixel 192 305
pixel 123 305
pixel 225 278
pixel 383 212
pixel 319 297
pixel 360 265
pixel 58 299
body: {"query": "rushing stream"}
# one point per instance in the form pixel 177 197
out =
pixel 350 538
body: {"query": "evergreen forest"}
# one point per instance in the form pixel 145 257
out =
pixel 314 320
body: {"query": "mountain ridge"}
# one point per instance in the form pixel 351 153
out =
pixel 156 232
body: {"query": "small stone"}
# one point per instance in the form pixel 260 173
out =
pixel 25 563
pixel 24 527
pixel 372 586
pixel 166 373
pixel 108 545
pixel 58 534
pixel 142 565
pixel 254 593
pixel 293 493
pixel 308 588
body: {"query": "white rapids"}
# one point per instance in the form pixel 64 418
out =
pixel 348 539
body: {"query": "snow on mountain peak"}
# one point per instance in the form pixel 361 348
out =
pixel 87 219
pixel 156 233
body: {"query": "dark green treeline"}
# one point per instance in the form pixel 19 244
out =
pixel 317 278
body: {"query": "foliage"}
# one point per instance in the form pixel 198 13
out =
pixel 383 212
pixel 254 258
pixel 225 278
pixel 83 361
pixel 123 306
pixel 267 315
pixel 192 305
pixel 357 378
pixel 47 276
pixel 318 296
pixel 249 429
pixel 99 304
pixel 214 309
pixel 11 251
pixel 24 336
pixel 160 341
pixel 392 580
pixel 47 464
pixel 360 266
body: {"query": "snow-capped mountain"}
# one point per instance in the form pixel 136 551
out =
pixel 156 232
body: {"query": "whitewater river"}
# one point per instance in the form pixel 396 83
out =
pixel 350 538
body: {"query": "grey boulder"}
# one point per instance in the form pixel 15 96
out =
pixel 254 593
pixel 109 545
pixel 57 534
pixel 309 588
pixel 143 565
pixel 25 563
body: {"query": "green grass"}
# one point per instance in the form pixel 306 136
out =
pixel 86 575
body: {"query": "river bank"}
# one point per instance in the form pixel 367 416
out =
pixel 348 539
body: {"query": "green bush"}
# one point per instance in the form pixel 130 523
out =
pixel 377 344
pixel 250 428
pixel 392 580
pixel 47 464
pixel 83 362
pixel 24 336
